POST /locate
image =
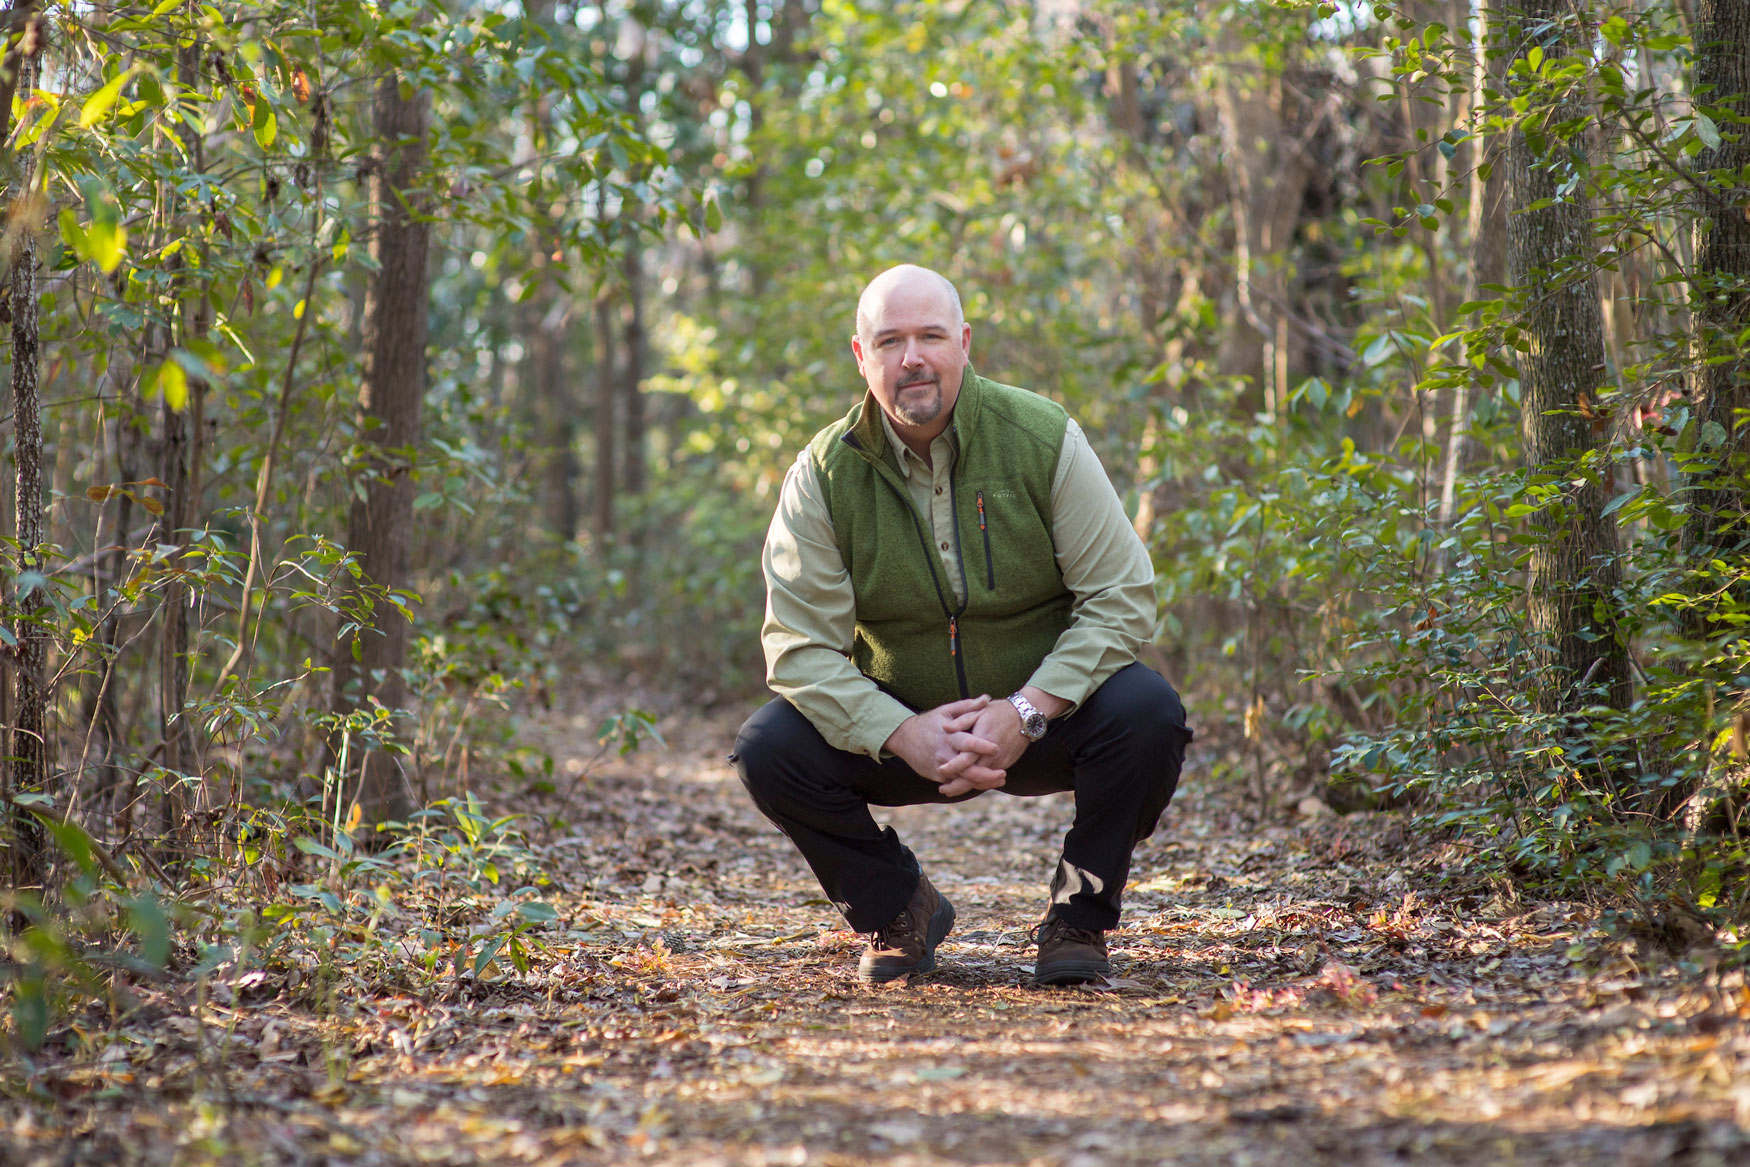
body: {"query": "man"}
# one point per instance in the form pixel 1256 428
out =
pixel 954 603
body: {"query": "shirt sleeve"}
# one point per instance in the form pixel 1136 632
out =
pixel 811 619
pixel 1105 566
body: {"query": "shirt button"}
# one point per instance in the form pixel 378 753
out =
pixel 938 490
pixel 944 547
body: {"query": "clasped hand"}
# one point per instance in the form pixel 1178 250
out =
pixel 964 745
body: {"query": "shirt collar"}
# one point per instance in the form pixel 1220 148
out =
pixel 940 448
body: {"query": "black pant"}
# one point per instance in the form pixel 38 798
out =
pixel 1120 752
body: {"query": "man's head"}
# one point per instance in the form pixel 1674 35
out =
pixel 912 345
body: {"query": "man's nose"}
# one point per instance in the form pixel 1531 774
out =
pixel 913 354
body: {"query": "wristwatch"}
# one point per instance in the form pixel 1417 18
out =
pixel 1032 721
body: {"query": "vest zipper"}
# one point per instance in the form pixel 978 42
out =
pixel 959 558
pixel 935 573
pixel 990 570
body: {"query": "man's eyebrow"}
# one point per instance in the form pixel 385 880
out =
pixel 886 332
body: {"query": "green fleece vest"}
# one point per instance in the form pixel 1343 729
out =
pixel 914 638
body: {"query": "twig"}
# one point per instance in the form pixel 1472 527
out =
pixel 264 480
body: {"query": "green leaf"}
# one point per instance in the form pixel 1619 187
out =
pixel 1377 352
pixel 1708 132
pixel 212 956
pixel 73 842
pixel 537 912
pixel 147 920
pixel 310 846
pixel 266 125
pixel 72 234
pixel 103 100
pixel 713 216
pixel 486 955
pixel 106 243
pixel 30 1007
pixel 173 383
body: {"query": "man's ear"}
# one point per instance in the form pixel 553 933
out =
pixel 857 348
pixel 966 338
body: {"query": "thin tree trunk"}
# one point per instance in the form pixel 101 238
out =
pixel 606 389
pixel 1721 296
pixel 558 405
pixel 632 468
pixel 28 764
pixel 380 526
pixel 1574 569
pixel 1484 232
pixel 180 471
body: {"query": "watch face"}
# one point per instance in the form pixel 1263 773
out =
pixel 1034 726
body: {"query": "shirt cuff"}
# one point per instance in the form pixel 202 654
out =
pixel 1063 682
pixel 871 731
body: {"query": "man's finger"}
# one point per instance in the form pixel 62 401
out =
pixel 984 777
pixel 971 743
pixel 954 766
pixel 966 705
pixel 964 721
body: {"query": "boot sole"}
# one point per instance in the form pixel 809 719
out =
pixel 941 923
pixel 1072 972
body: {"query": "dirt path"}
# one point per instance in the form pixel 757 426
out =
pixel 1294 994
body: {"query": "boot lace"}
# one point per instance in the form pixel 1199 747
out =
pixel 1055 930
pixel 897 934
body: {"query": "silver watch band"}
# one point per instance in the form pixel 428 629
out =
pixel 1032 721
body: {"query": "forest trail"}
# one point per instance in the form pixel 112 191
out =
pixel 1291 994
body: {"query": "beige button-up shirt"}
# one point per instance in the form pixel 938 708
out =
pixel 811 607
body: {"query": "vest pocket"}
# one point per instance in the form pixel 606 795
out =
pixel 990 568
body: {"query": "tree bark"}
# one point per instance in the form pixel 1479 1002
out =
pixel 179 469
pixel 606 387
pixel 1721 297
pixel 632 461
pixel 1267 165
pixel 380 526
pixel 1485 230
pixel 558 405
pixel 1574 569
pixel 28 764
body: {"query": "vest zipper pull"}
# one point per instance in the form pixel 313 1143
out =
pixel 953 637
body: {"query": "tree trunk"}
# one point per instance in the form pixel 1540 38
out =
pixel 180 471
pixel 1574 569
pixel 606 388
pixel 1484 231
pixel 557 403
pixel 1721 297
pixel 380 526
pixel 632 467
pixel 28 764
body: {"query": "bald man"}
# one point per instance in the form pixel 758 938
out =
pixel 955 599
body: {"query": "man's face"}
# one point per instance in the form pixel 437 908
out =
pixel 915 354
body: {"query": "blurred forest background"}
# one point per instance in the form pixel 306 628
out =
pixel 382 373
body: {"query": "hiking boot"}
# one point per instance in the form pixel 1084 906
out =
pixel 908 944
pixel 1069 955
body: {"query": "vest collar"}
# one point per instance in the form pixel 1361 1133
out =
pixel 869 437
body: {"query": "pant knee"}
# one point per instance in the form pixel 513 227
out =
pixel 784 764
pixel 759 754
pixel 1142 714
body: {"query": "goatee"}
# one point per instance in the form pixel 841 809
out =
pixel 918 412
